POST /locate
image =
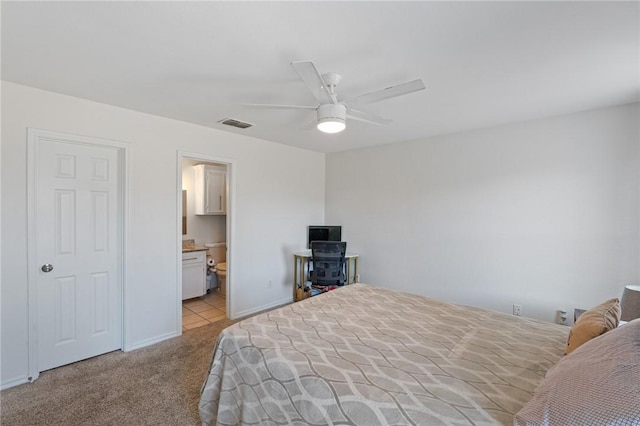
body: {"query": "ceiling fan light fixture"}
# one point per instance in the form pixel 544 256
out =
pixel 331 118
pixel 331 125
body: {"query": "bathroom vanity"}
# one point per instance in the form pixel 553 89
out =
pixel 194 272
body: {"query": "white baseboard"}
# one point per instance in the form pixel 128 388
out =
pixel 151 341
pixel 263 307
pixel 14 382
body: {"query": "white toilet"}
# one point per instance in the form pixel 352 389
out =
pixel 218 251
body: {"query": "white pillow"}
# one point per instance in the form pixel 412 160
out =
pixel 597 384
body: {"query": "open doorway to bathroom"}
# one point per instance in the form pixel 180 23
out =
pixel 204 241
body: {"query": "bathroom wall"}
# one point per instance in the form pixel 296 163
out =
pixel 202 229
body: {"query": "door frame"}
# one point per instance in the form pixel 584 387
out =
pixel 34 137
pixel 230 231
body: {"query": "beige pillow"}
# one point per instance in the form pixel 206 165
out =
pixel 593 323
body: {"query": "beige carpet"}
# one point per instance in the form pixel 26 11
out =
pixel 157 385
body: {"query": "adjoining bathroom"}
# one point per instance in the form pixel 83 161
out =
pixel 204 247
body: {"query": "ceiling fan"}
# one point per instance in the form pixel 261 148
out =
pixel 331 113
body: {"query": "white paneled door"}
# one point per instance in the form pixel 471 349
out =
pixel 78 238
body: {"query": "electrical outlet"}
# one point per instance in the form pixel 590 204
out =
pixel 562 316
pixel 269 283
pixel 517 310
pixel 357 278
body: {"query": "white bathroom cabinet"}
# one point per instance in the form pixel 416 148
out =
pixel 194 274
pixel 210 190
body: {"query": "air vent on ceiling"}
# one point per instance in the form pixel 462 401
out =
pixel 235 123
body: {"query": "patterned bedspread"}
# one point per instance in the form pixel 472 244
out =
pixel 366 355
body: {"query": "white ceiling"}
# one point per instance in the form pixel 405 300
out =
pixel 483 63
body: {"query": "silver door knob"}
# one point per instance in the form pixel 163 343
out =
pixel 47 267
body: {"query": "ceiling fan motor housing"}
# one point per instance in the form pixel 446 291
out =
pixel 331 118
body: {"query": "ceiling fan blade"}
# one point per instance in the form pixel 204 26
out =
pixel 389 92
pixel 367 117
pixel 276 106
pixel 314 81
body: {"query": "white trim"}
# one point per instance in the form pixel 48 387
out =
pixel 230 231
pixel 14 382
pixel 127 306
pixel 153 340
pixel 280 302
pixel 32 338
pixel 33 140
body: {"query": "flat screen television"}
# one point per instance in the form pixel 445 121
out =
pixel 323 233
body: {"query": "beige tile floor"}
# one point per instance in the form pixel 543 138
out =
pixel 203 310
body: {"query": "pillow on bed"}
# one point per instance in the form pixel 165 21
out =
pixel 598 384
pixel 593 323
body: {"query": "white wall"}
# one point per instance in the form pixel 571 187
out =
pixel 273 206
pixel 543 213
pixel 201 229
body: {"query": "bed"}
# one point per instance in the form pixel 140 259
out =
pixel 368 355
